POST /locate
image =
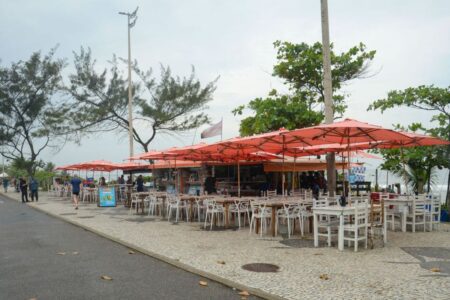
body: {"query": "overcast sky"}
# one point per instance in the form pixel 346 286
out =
pixel 234 39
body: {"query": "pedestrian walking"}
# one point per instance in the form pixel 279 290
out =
pixel 23 189
pixel 5 184
pixel 76 183
pixel 34 187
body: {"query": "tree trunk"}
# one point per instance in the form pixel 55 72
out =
pixel 448 190
pixel 328 93
pixel 428 179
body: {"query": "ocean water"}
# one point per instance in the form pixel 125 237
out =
pixel 387 178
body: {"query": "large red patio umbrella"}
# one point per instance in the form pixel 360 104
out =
pixel 346 132
pixel 97 165
pixel 225 151
pixel 359 134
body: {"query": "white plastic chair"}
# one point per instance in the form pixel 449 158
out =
pixel 134 200
pixel 435 212
pixel 357 228
pixel 213 211
pixel 261 212
pixel 155 205
pixel 325 222
pixel 417 214
pixel 289 213
pixel 175 204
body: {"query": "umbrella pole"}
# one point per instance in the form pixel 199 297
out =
pixel 343 174
pixel 176 178
pixel 282 173
pixel 239 178
pixel 404 172
pixel 293 173
pixel 349 184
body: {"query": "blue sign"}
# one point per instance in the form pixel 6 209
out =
pixel 107 197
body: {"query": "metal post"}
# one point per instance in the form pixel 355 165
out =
pixel 131 18
pixel 328 93
pixel 130 95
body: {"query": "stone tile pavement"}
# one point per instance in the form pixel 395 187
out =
pixel 400 270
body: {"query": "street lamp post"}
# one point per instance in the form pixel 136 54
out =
pixel 132 17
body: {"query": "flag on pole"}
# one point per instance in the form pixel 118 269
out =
pixel 214 130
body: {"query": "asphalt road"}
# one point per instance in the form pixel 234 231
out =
pixel 30 266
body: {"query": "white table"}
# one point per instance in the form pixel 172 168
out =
pixel 334 210
pixel 403 205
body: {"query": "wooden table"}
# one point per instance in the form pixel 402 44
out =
pixel 192 199
pixel 334 210
pixel 275 204
pixel 142 196
pixel 226 201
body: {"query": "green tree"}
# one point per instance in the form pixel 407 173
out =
pixel 417 165
pixel 170 105
pixel 31 117
pixel 301 67
pixel 277 111
pixel 425 98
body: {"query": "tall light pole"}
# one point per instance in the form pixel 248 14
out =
pixel 132 17
pixel 328 93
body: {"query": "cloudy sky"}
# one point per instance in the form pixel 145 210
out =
pixel 234 39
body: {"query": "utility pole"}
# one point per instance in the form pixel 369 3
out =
pixel 328 94
pixel 132 17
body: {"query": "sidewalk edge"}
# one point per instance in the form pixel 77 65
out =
pixel 173 262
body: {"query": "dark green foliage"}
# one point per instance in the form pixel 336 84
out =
pixel 171 104
pixel 301 67
pixel 277 111
pixel 31 118
pixel 425 98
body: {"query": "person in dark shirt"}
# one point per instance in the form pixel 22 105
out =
pixel 140 184
pixel 210 185
pixel 76 183
pixel 24 189
pixel 34 187
pixel 102 181
pixel 121 180
pixel 129 180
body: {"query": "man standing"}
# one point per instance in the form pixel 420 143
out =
pixel 24 189
pixel 5 184
pixel 34 187
pixel 76 183
pixel 140 184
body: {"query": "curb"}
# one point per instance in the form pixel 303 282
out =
pixel 173 262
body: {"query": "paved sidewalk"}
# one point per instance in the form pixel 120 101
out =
pixel 402 269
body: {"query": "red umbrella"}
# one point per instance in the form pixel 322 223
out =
pixel 97 165
pixel 346 132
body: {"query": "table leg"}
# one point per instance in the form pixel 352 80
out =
pixel 227 219
pixel 384 228
pixel 316 230
pixel 191 210
pixel 272 221
pixel 143 205
pixel 341 233
pixel 404 221
pixel 258 224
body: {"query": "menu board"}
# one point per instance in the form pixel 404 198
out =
pixel 107 197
